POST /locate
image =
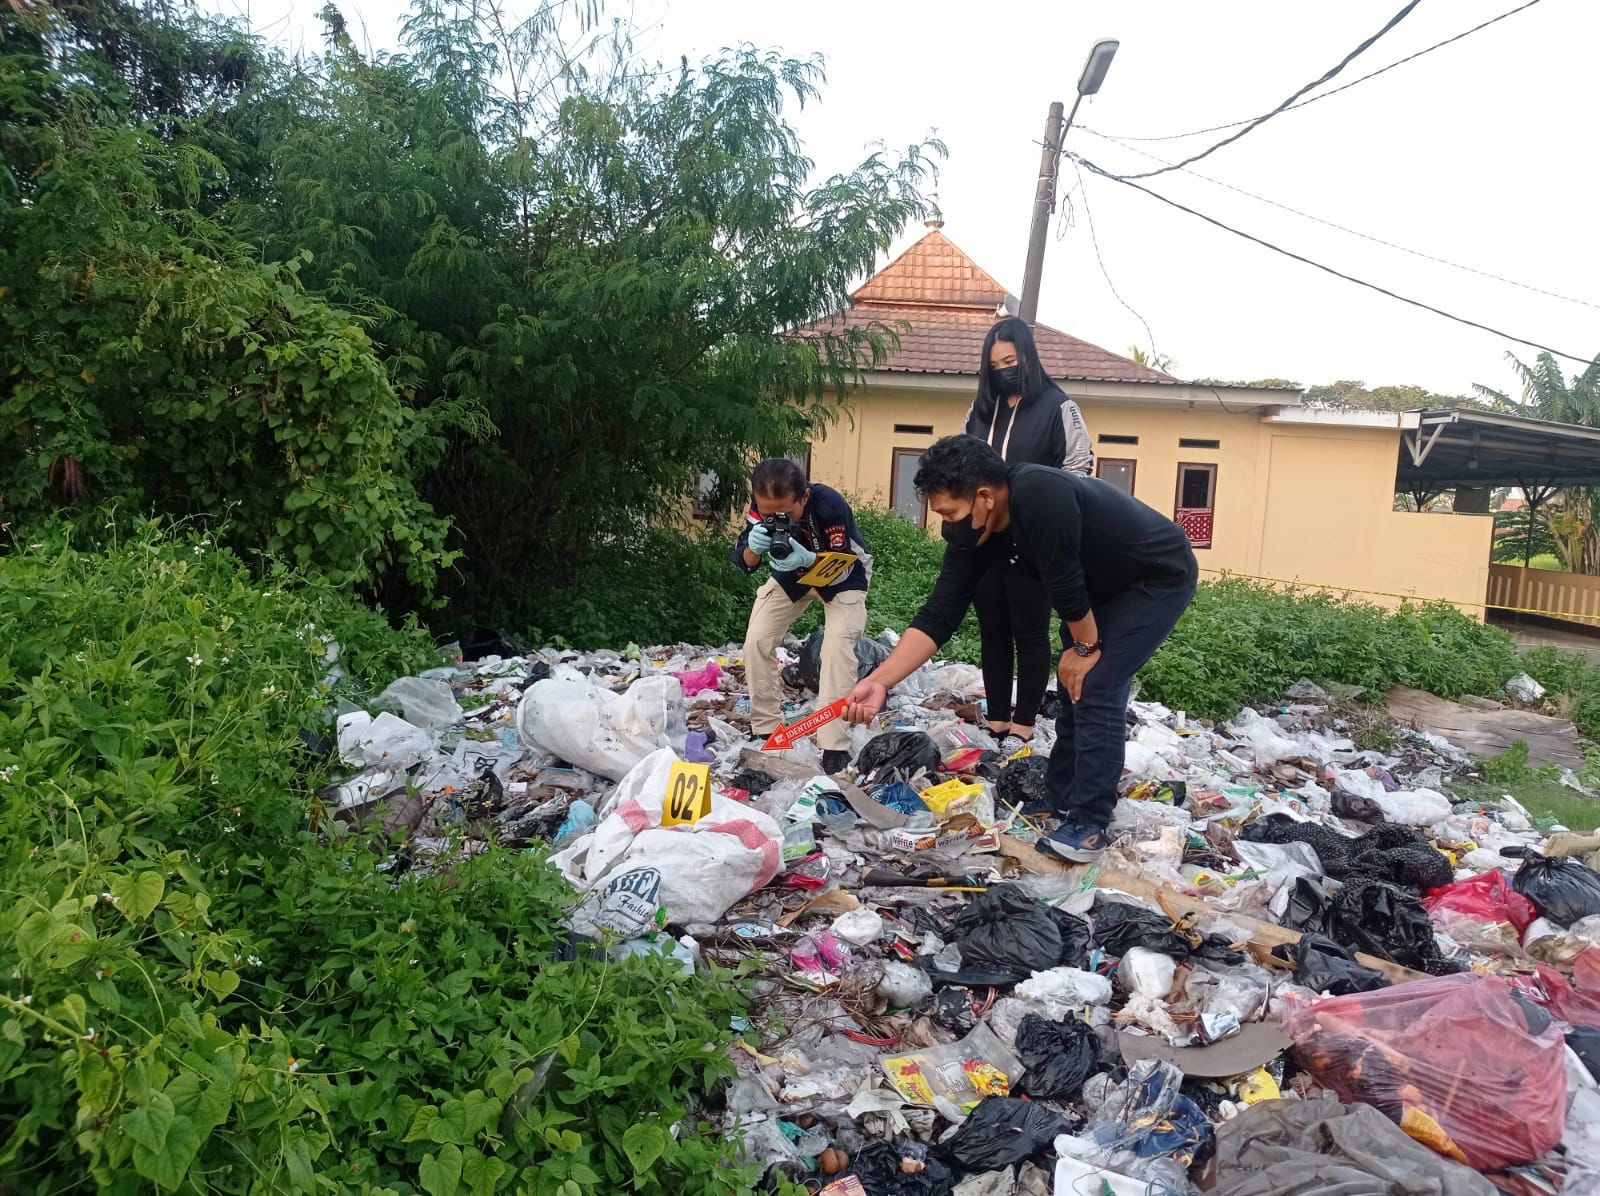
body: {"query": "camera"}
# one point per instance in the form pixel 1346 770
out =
pixel 781 529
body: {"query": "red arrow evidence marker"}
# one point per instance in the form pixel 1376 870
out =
pixel 785 738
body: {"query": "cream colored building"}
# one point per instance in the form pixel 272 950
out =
pixel 1264 486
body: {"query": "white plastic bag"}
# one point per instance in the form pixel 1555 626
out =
pixel 1267 741
pixel 1146 973
pixel 571 717
pixel 1524 688
pixel 705 867
pixel 1413 807
pixel 425 703
pixel 1065 990
pixel 387 740
pixel 858 927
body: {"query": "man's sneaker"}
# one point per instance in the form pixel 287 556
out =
pixel 833 763
pixel 1075 842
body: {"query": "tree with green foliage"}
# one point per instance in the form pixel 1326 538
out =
pixel 1571 520
pixel 1349 395
pixel 497 295
pixel 150 357
pixel 599 263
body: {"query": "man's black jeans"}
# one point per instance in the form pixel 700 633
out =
pixel 1091 734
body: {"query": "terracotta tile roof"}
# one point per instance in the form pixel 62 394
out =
pixel 933 271
pixel 949 303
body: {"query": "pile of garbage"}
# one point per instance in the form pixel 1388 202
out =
pixel 1301 967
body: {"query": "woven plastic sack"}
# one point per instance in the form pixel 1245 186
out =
pixel 705 867
pixel 1451 1060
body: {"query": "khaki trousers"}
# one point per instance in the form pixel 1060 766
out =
pixel 770 619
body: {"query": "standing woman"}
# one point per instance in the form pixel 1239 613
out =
pixel 1028 420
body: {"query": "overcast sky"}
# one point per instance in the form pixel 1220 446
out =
pixel 1481 153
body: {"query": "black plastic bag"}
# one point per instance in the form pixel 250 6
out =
pixel 806 673
pixel 1585 1044
pixel 1353 805
pixel 1120 927
pixel 1022 783
pixel 1058 1056
pixel 1562 890
pixel 1325 966
pixel 1309 910
pixel 897 755
pixel 877 1166
pixel 1074 939
pixel 1009 932
pixel 1004 1131
pixel 1385 920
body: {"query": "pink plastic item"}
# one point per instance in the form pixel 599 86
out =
pixel 700 680
pixel 1453 1055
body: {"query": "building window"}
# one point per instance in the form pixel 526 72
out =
pixel 1107 438
pixel 903 494
pixel 1185 442
pixel 914 429
pixel 1118 471
pixel 1197 502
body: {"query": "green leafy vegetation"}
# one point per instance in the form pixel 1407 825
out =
pixel 452 324
pixel 197 992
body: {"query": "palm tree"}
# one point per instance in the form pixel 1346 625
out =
pixel 1156 361
pixel 1572 516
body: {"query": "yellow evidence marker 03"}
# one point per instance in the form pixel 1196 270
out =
pixel 829 568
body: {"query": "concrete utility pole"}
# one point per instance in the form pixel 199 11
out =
pixel 1044 194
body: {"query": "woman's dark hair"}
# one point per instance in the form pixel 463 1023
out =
pixel 1014 331
pixel 779 477
pixel 957 466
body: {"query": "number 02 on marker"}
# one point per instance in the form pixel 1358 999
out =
pixel 688 794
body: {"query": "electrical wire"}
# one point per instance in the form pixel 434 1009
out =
pixel 1342 87
pixel 1360 282
pixel 1511 282
pixel 1266 116
pixel 1104 273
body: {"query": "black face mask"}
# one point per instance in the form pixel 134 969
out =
pixel 963 534
pixel 1006 382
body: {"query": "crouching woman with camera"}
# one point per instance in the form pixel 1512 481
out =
pixel 807 536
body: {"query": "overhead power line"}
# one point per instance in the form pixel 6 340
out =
pixel 1127 181
pixel 1335 91
pixel 1353 231
pixel 1315 83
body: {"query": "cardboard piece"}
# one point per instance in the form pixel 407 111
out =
pixel 834 901
pixel 1255 1045
pixel 876 813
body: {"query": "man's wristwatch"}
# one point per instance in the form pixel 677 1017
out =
pixel 1086 649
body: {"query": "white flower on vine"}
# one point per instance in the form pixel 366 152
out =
pixel 194 659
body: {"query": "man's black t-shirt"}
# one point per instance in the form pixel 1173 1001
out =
pixel 1085 538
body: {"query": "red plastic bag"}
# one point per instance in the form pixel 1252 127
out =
pixel 1485 898
pixel 1450 1060
pixel 1564 999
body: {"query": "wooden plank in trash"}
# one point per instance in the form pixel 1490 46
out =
pixel 1486 733
pixel 1263 934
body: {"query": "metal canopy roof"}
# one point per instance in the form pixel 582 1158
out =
pixel 1462 447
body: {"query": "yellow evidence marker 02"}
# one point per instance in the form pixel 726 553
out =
pixel 688 797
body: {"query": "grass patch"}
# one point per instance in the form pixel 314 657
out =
pixel 1540 797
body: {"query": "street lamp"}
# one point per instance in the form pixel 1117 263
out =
pixel 1044 196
